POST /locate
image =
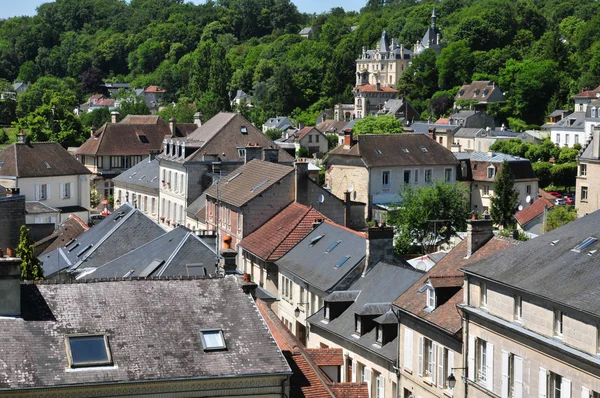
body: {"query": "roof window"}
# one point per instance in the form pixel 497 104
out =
pixel 134 173
pixel 333 246
pixel 88 350
pixel 584 244
pixel 405 150
pixel 342 261
pixel 259 185
pixel 244 130
pixel 150 268
pixel 212 339
pixel 70 242
pixel 378 151
pixel 143 139
pixel 73 248
pixel 234 177
pixel 142 177
pixel 84 250
pixel 129 273
pixel 554 242
pixel 424 149
pixel 153 179
pixel 314 240
pixel 47 165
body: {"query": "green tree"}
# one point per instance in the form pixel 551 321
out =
pixel 543 171
pixel 95 118
pixel 183 111
pixel 378 125
pixel 31 266
pixel 504 201
pixel 417 209
pixel 273 134
pixel 455 65
pixel 559 216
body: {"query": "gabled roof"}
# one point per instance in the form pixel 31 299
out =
pixel 154 89
pixel 378 288
pixel 253 178
pixel 116 235
pixel 168 255
pixel 38 159
pixel 447 272
pixel 575 121
pixel 332 126
pixel 35 207
pixel 310 261
pixel 300 134
pixel 308 380
pixel 480 90
pixel 372 88
pixel 378 150
pixel 536 209
pixel 69 229
pixel 153 328
pixel 278 123
pixel 585 93
pixel 278 235
pixel 480 161
pixel 468 132
pixel 144 174
pixel 548 267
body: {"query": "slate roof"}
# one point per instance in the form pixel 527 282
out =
pixel 534 210
pixel 38 159
pixel 378 288
pixel 198 207
pixel 308 380
pixel 423 127
pixel 445 316
pixel 278 123
pixel 555 272
pixel 137 135
pixel 166 255
pixel 311 263
pixel 144 174
pixel 379 150
pixel 343 296
pixel 223 135
pixel 332 126
pixel 69 229
pixel 372 88
pixel 574 121
pixel 468 132
pixel 155 338
pixel 39 208
pixel 278 235
pixel 587 153
pixel 480 161
pixel 253 178
pixel 116 235
pixel 483 88
pixel 558 112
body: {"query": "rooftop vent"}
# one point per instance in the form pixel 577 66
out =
pixel 554 242
pixel 584 244
pixel 85 249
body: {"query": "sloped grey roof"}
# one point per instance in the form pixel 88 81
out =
pixel 306 30
pixel 496 157
pixel 389 318
pixel 39 159
pixel 342 296
pixel 574 121
pixel 153 328
pixel 382 284
pixel 311 263
pixel 144 174
pixel 374 308
pixel 279 123
pixel 38 208
pixel 423 127
pixel 558 112
pixel 196 205
pixel 554 272
pixel 468 132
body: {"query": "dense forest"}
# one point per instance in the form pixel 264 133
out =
pixel 539 51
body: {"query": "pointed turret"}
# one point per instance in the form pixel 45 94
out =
pixel 383 46
pixel 433 18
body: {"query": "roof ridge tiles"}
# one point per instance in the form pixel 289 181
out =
pixel 122 279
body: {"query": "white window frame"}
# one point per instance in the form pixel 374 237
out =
pixel 583 170
pixel 518 310
pixel 41 192
pixel 584 194
pixel 491 172
pixel 416 176
pixel 385 179
pixel 447 174
pixel 428 176
pixel 431 298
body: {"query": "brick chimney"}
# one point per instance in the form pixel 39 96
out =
pixel 114 117
pixel 10 286
pixel 253 152
pixel 198 119
pixel 431 133
pixel 301 188
pixel 92 131
pixel 478 233
pixel 347 139
pixel 227 262
pixel 172 123
pixel 380 246
pixel 596 143
pixel 271 155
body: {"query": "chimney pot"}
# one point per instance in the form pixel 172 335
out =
pixel 21 138
pixel 198 119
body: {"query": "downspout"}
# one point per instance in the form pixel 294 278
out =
pixel 397 367
pixel 466 343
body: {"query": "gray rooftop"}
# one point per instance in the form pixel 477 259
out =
pixel 468 132
pixel 343 296
pixel 496 157
pixel 144 174
pixel 379 288
pixel 153 329
pixel 574 121
pixel 423 127
pixel 39 208
pixel 279 123
pixel 555 272
pixel 311 262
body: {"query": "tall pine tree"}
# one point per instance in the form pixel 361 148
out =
pixel 504 201
pixel 31 266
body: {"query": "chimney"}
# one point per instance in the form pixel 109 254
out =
pixel 378 86
pixel 172 126
pixel 153 153
pixel 12 191
pixel 432 133
pixel 271 155
pixel 478 233
pixel 301 188
pixel 228 256
pixel 198 119
pixel 114 117
pixel 92 131
pixel 10 286
pixel 347 139
pixel 21 138
pixel 596 143
pixel 300 126
pixel 380 246
pixel 252 152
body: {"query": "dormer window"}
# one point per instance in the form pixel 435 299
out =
pixel 430 298
pixel 491 171
pixel 357 325
pixel 379 334
pixel 326 311
pixel 87 350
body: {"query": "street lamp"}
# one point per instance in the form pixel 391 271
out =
pixel 451 379
pixel 297 310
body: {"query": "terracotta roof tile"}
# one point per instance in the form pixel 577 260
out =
pixel 69 229
pixel 154 89
pixel 531 212
pixel 372 88
pixel 350 390
pixel 327 356
pixel 585 93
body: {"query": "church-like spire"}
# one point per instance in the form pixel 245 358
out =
pixel 433 17
pixel 383 46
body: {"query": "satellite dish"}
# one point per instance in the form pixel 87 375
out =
pixel 350 188
pixel 321 198
pixel 528 199
pixel 520 207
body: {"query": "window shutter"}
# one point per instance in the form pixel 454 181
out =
pixel 37 192
pixel 354 371
pixel 565 388
pixel 505 386
pixel 489 366
pixel 471 358
pixel 61 192
pixel 368 378
pixel 542 384
pixel 420 356
pixel 451 361
pixel 585 393
pixel 440 371
pixel 433 362
pixel 408 348
pixel 518 374
pixel 381 387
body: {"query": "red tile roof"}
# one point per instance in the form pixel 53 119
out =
pixel 585 93
pixel 274 239
pixel 531 212
pixel 372 88
pixel 446 315
pixel 154 89
pixel 105 102
pixel 327 356
pixel 442 120
pixel 69 229
pixel 307 380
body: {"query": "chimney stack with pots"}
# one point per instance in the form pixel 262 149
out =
pixel 10 286
pixel 347 139
pixel 227 261
pixel 301 188
pixel 271 155
pixel 252 152
pixel 478 233
pixel 21 138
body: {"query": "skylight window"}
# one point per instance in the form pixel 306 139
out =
pixel 212 339
pixel 1 164
pixel 153 179
pixel 84 250
pixel 554 242
pixel 424 149
pixel 259 185
pixel 234 177
pixel 73 248
pixel 584 244
pixel 142 177
pixel 88 350
pixel 134 173
pixel 70 242
pixel 150 268
pixel 405 150
pixel 244 130
pixel 129 273
pixel 143 139
pixel 378 151
pixel 333 246
pixel 47 165
pixel 342 261
pixel 314 240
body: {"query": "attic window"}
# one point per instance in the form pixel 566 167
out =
pixel 244 130
pixel 554 242
pixel 424 149
pixel 131 176
pixel 88 350
pixel 584 244
pixel 357 324
pixel 333 246
pixel 129 273
pixel 491 171
pixel 242 152
pixel 314 240
pixel 378 151
pixel 143 139
pixel 47 165
pixel 405 150
pixel 430 298
pixel 342 261
pixel 212 339
pixel 82 251
pixel 326 310
pixel 70 242
pixel 379 334
pixel 259 185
